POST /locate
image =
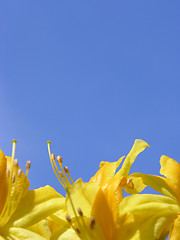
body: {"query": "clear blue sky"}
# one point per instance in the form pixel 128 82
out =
pixel 91 76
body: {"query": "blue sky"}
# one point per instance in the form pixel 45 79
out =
pixel 91 76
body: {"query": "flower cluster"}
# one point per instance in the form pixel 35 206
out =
pixel 94 210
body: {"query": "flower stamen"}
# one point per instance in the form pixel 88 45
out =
pixel 62 175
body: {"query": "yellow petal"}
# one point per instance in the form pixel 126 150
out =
pixel 144 216
pixel 1 238
pixel 3 185
pixel 42 229
pixel 138 147
pixel 24 234
pixel 102 214
pixel 37 205
pixel 159 184
pixel 170 169
pixel 114 194
pixel 175 233
pixel 106 172
pixel 82 196
pixel 69 234
pixel 138 184
pixel 57 220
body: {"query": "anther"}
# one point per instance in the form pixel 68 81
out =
pixel 59 159
pixel 68 218
pixel 66 169
pixel 19 172
pixel 92 222
pixel 28 165
pixel 80 212
pixel 15 162
pixel 13 178
pixel 60 173
pixel 77 230
pixel 53 156
pixel 130 183
pixel 14 141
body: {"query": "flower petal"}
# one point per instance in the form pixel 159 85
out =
pixel 144 216
pixel 3 185
pixel 175 233
pixel 159 184
pixel 37 205
pixel 24 234
pixel 103 215
pixel 114 194
pixel 106 172
pixel 170 169
pixel 42 229
pixel 82 195
pixel 138 147
pixel 67 234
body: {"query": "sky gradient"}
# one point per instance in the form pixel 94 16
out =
pixel 91 77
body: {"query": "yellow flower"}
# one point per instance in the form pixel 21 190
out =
pixel 20 208
pixel 93 207
pixel 170 188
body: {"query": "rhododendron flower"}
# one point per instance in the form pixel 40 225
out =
pixel 170 188
pixel 19 208
pixel 92 209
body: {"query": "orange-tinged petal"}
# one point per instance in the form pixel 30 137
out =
pixel 170 169
pixel 3 184
pixel 114 194
pixel 106 172
pixel 175 233
pixel 102 214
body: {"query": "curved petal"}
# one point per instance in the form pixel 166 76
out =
pixel 3 185
pixel 170 169
pixel 106 172
pixel 103 215
pixel 114 194
pixel 82 196
pixel 37 205
pixel 42 229
pixel 175 233
pixel 138 147
pixel 159 184
pixel 24 234
pixel 68 234
pixel 137 184
pixel 144 216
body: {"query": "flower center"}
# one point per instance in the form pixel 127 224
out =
pixel 86 228
pixel 14 194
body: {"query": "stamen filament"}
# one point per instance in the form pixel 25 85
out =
pixel 52 164
pixel 60 174
pixel 67 190
pixel 64 174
